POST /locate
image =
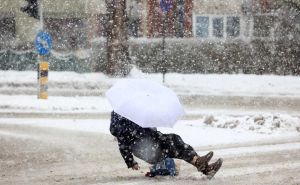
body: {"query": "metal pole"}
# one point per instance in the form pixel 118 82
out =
pixel 164 70
pixel 41 14
pixel 43 68
pixel 43 65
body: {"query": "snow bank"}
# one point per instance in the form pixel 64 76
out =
pixel 263 123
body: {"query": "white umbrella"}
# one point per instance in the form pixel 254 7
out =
pixel 147 103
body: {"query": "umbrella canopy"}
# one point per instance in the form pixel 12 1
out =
pixel 145 102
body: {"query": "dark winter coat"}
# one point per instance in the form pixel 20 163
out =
pixel 134 139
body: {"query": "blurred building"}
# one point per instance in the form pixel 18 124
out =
pixel 212 19
pixel 225 19
pixel 71 23
pixel 74 24
pixel 230 19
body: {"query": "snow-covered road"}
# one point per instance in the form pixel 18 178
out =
pixel 35 154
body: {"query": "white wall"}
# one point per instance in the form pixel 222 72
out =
pixel 217 6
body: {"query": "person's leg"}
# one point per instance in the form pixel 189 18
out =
pixel 174 147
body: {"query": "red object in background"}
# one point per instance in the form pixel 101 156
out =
pixel 154 19
pixel 264 4
pixel 188 18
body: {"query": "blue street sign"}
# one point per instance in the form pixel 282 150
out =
pixel 166 5
pixel 43 43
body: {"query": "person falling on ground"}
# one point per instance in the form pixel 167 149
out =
pixel 152 146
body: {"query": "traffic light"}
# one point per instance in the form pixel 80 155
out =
pixel 32 9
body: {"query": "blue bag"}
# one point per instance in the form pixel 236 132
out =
pixel 163 168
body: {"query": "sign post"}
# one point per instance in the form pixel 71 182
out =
pixel 43 45
pixel 166 6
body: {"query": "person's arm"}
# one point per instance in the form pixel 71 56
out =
pixel 126 153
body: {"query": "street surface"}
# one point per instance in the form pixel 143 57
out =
pixel 40 155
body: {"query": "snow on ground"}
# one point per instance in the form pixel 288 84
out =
pixel 195 132
pixel 211 128
pixel 13 83
pixel 201 84
pixel 208 128
pixel 77 104
pixel 260 123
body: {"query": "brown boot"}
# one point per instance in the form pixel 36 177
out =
pixel 213 168
pixel 201 164
pixel 209 155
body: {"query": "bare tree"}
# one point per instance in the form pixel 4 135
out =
pixel 117 39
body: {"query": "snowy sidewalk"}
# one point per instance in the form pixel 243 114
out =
pixel 74 93
pixel 99 107
pixel 95 84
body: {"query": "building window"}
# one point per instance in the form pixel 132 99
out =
pixel 218 27
pixel 233 26
pixel 7 28
pixel 202 24
pixel 262 25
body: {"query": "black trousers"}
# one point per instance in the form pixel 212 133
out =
pixel 174 147
pixel 157 148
